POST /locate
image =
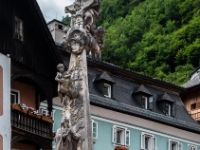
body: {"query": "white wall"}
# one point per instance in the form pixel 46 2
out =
pixel 5 123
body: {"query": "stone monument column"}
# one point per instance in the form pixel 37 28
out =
pixel 75 132
pixel 86 133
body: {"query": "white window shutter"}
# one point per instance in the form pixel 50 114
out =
pixel 114 135
pixel 154 143
pixel 142 141
pixel 169 145
pixel 127 137
pixel 180 146
pixel 94 129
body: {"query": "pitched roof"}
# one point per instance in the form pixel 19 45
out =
pixel 142 89
pixel 193 82
pixel 165 97
pixel 104 76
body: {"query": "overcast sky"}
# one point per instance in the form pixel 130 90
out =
pixel 53 9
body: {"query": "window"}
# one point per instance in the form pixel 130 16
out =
pixel 174 145
pixel 147 102
pixel 148 142
pixel 15 96
pixel 107 90
pixel 121 136
pixel 94 129
pixel 18 34
pixel 168 108
pixel 192 147
pixel 60 27
pixel 193 106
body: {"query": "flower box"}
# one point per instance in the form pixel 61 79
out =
pixel 47 119
pixel 121 148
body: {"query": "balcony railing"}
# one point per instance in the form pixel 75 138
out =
pixel 28 122
pixel 195 114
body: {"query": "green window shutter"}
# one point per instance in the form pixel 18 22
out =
pixel 127 137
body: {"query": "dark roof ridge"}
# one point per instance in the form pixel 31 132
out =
pixel 57 21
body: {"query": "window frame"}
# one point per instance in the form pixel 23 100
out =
pixel 146 101
pixel 168 111
pixel 109 88
pixel 124 138
pixel 95 122
pixel 17 93
pixel 192 146
pixel 179 146
pixel 152 141
pixel 18 25
pixel 149 102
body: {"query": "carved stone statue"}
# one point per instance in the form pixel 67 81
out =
pixel 75 132
pixel 83 13
pixel 64 137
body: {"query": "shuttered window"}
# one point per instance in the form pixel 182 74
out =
pixel 121 136
pixel 94 129
pixel 148 142
pixel 174 145
pixel 192 147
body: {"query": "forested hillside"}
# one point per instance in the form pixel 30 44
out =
pixel 157 38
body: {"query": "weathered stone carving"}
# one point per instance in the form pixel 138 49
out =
pixel 82 37
pixel 83 13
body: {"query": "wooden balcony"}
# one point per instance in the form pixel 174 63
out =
pixel 195 114
pixel 25 122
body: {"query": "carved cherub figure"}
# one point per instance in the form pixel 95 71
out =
pixel 62 78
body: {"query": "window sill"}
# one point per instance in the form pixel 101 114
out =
pixel 107 96
pixel 120 145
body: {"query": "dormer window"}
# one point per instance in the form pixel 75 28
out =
pixel 107 90
pixel 18 33
pixel 166 104
pixel 144 97
pixel 146 102
pixel 104 84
